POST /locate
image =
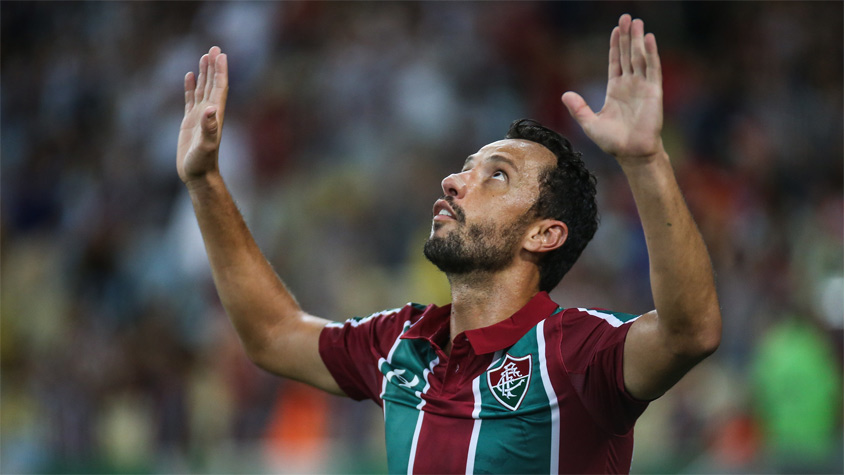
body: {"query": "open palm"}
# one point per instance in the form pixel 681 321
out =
pixel 205 103
pixel 629 124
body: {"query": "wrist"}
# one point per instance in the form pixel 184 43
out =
pixel 656 159
pixel 205 181
pixel 654 174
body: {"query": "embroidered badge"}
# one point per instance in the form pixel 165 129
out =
pixel 509 381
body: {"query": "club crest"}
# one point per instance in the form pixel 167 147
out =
pixel 509 381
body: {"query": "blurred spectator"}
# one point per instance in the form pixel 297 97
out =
pixel 795 385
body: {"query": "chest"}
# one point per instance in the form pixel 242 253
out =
pixel 496 412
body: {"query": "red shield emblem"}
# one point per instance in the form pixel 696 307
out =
pixel 510 380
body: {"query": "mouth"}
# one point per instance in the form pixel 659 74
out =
pixel 443 212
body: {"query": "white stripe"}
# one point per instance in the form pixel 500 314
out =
pixel 426 373
pixel 550 393
pixel 473 444
pixel 354 322
pixel 611 319
pixel 476 394
pixel 414 443
pixel 496 357
pixel 476 412
pixel 405 328
pixel 389 360
pixel 476 424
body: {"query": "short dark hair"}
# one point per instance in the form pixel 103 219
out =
pixel 567 193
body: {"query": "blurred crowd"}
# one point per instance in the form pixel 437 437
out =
pixel 342 120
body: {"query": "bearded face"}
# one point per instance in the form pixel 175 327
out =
pixel 474 247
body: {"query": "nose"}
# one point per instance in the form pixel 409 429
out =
pixel 454 185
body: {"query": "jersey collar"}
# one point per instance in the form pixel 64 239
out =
pixel 507 332
pixel 435 322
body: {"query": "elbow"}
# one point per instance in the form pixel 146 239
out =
pixel 710 344
pixel 258 351
pixel 694 342
pixel 262 360
pixel 709 335
pixel 713 333
pixel 255 355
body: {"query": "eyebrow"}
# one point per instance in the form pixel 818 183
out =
pixel 494 158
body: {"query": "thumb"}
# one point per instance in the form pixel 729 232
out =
pixel 209 123
pixel 578 108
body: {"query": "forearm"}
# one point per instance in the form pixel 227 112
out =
pixel 681 273
pixel 276 334
pixel 254 297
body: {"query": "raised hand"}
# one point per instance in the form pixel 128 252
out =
pixel 205 104
pixel 629 124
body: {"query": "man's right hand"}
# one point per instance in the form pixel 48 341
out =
pixel 205 103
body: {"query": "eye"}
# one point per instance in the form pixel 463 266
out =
pixel 500 175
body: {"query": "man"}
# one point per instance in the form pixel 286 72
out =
pixel 501 380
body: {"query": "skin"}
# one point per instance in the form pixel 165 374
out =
pixel 661 346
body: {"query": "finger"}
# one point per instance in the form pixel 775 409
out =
pixel 199 93
pixel 625 43
pixel 190 86
pixel 220 81
pixel 638 61
pixel 210 124
pixel 220 85
pixel 213 52
pixel 578 108
pixel 614 68
pixel 654 71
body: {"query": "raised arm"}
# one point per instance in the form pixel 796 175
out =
pixel 664 344
pixel 276 334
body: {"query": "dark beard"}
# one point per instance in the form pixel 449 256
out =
pixel 475 248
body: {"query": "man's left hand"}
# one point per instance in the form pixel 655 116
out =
pixel 628 126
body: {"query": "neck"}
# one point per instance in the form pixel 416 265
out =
pixel 484 299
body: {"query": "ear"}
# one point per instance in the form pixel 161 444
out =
pixel 546 235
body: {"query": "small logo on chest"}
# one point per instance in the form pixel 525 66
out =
pixel 509 381
pixel 403 381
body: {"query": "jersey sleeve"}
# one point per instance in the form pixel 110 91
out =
pixel 596 370
pixel 351 350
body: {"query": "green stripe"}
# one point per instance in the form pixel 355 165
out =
pixel 516 441
pixel 624 317
pixel 399 432
pixel 401 399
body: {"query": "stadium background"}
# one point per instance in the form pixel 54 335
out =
pixel 342 119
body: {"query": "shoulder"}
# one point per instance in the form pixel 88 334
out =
pixel 374 333
pixel 583 332
pixel 598 316
pixel 410 312
pixel 590 318
pixel 379 326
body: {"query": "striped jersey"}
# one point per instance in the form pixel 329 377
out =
pixel 539 392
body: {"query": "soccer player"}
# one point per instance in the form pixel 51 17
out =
pixel 502 379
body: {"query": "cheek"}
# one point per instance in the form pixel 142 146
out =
pixel 513 205
pixel 527 199
pixel 488 205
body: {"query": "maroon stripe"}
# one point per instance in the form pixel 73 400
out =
pixel 443 444
pixel 446 430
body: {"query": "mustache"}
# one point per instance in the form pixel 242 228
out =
pixel 460 216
